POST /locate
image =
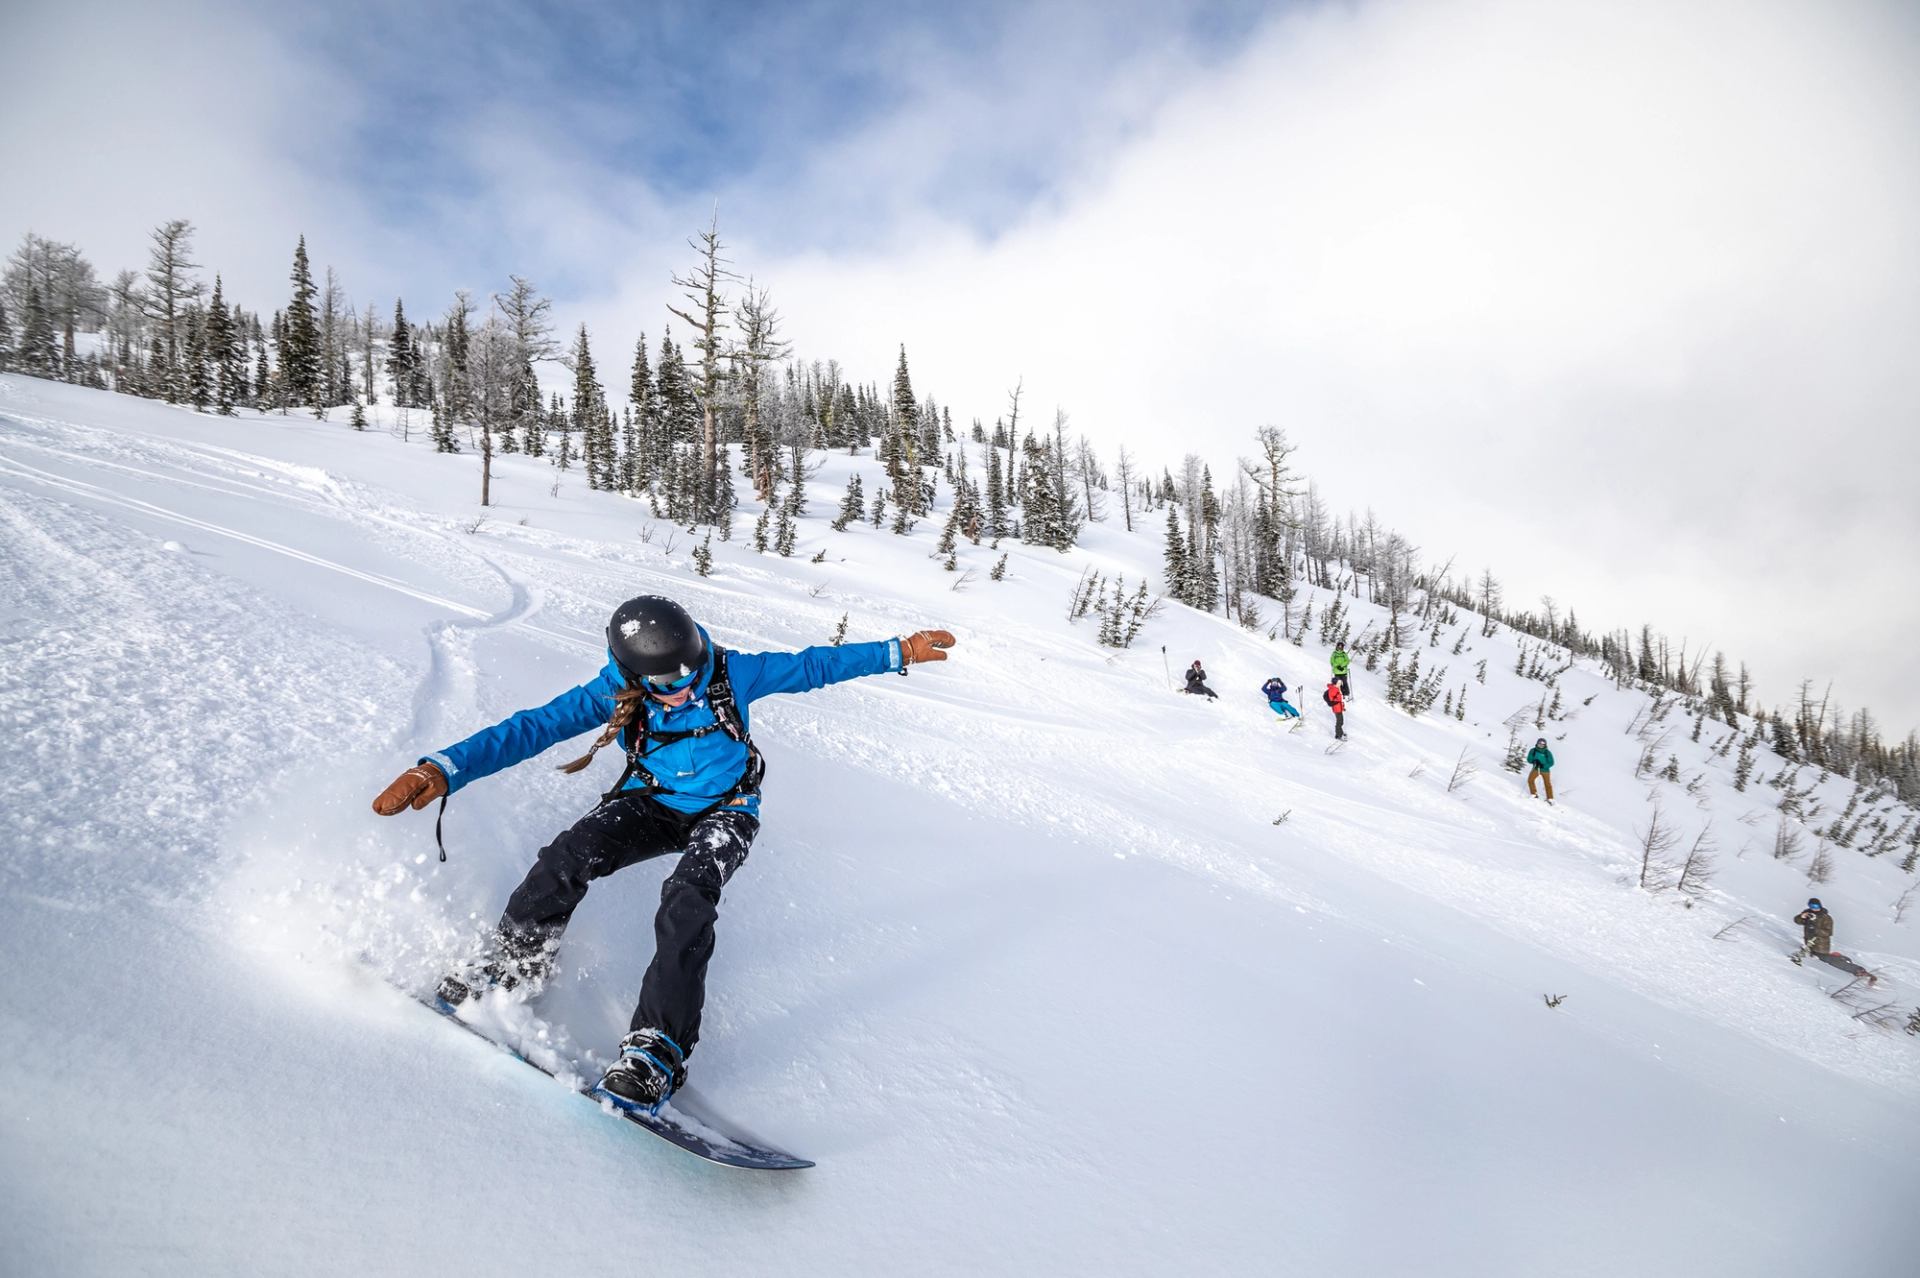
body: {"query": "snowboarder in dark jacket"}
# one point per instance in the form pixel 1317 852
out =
pixel 1542 760
pixel 1197 683
pixel 1275 691
pixel 677 704
pixel 1816 930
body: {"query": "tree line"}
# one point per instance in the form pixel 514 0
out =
pixel 727 405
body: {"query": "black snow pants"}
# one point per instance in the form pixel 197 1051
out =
pixel 622 832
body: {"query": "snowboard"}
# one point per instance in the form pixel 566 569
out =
pixel 678 1123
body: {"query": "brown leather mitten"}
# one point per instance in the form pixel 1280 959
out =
pixel 419 785
pixel 926 645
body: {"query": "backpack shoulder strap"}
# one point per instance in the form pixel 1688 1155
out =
pixel 726 712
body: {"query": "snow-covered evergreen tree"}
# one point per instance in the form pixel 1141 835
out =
pixel 300 362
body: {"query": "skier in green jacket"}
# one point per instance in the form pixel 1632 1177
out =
pixel 1542 760
pixel 1340 663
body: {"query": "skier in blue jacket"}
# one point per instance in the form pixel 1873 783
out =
pixel 1275 691
pixel 677 704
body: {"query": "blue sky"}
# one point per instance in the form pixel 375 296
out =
pixel 1618 297
pixel 648 108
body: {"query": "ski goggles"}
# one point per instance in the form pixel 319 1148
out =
pixel 669 683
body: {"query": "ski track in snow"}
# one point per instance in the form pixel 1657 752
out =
pixel 196 730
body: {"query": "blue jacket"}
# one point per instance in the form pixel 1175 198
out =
pixel 1541 758
pixel 697 771
pixel 1274 689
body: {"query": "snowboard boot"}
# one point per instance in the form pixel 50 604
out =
pixel 650 1069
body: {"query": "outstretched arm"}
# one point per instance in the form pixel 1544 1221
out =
pixel 762 674
pixel 518 737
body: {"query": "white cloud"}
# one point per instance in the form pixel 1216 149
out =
pixel 1619 298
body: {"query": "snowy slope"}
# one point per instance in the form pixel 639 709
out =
pixel 1020 957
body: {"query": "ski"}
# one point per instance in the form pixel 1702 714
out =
pixel 679 1123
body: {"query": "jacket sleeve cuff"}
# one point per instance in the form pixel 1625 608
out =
pixel 446 767
pixel 895 661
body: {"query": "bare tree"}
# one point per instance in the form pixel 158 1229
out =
pixel 1727 933
pixel 1697 871
pixel 1123 471
pixel 527 340
pixel 1786 840
pixel 1656 841
pixel 1087 463
pixel 1821 867
pixel 73 297
pixel 1271 474
pixel 1464 770
pixel 702 289
pixel 170 287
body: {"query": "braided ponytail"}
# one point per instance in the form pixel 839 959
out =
pixel 628 703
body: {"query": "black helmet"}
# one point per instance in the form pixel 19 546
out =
pixel 652 636
pixel 1814 904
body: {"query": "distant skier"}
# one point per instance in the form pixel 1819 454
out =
pixel 1542 760
pixel 1816 930
pixel 1341 661
pixel 678 705
pixel 1337 702
pixel 1275 690
pixel 1197 683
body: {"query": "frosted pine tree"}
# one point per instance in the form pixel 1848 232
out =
pixel 220 351
pixel 199 367
pixel 400 358
pixel 36 354
pixel 901 433
pixel 639 461
pixel 442 431
pixel 850 505
pixel 589 413
pixel 300 355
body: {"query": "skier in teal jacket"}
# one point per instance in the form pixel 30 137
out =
pixel 677 704
pixel 1542 760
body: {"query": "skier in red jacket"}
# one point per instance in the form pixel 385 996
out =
pixel 1338 704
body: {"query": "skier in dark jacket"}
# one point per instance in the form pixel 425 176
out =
pixel 1197 683
pixel 1275 691
pixel 678 706
pixel 1542 760
pixel 1816 930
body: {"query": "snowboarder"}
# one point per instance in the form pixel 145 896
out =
pixel 1197 683
pixel 1542 760
pixel 677 703
pixel 1341 661
pixel 1816 930
pixel 1337 702
pixel 1275 690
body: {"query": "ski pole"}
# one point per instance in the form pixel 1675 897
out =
pixel 1165 666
